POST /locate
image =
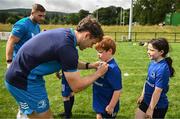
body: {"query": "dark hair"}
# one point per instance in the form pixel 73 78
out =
pixel 90 24
pixel 38 7
pixel 161 44
pixel 106 44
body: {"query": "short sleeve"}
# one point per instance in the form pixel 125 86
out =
pixel 114 78
pixel 18 30
pixel 68 58
pixel 162 78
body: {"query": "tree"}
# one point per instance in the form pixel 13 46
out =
pixel 12 19
pixel 4 17
pixel 107 16
pixel 152 11
pixel 72 18
pixel 177 5
pixel 83 13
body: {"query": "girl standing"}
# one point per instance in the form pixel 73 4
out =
pixel 153 100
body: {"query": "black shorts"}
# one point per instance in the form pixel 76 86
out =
pixel 158 112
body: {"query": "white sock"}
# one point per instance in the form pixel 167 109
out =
pixel 21 115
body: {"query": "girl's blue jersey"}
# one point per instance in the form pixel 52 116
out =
pixel 158 76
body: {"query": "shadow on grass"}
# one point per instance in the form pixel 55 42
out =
pixel 86 115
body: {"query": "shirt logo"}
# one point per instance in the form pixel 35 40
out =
pixel 23 105
pixel 63 87
pixel 42 104
pixel 153 75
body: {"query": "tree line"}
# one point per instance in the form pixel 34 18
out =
pixel 144 12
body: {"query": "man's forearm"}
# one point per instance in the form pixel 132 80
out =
pixel 9 51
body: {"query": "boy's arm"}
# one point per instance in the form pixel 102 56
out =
pixel 113 102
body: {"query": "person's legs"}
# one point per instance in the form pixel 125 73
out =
pixel 140 112
pixel 98 116
pixel 43 115
pixel 68 99
pixel 21 115
pixel 109 116
pixel 67 107
pixel 33 101
pixel 71 101
pixel 160 113
pixel 68 104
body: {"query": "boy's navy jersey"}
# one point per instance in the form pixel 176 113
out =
pixel 24 29
pixel 158 76
pixel 104 87
pixel 45 53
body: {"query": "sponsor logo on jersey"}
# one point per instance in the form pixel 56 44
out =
pixel 23 105
pixel 42 104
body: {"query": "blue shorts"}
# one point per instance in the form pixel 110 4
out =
pixel 66 90
pixel 34 99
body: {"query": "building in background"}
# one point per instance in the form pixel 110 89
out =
pixel 173 19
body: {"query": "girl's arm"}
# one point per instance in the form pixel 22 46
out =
pixel 141 97
pixel 154 101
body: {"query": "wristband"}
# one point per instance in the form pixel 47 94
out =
pixel 87 65
pixel 9 60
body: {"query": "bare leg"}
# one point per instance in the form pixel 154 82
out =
pixel 139 114
pixel 44 115
pixel 98 116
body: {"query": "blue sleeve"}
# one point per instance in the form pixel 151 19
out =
pixel 114 78
pixel 162 78
pixel 18 30
pixel 68 58
pixel 39 28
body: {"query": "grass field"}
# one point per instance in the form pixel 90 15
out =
pixel 131 59
pixel 115 28
pixel 119 33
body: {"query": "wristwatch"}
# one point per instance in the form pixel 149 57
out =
pixel 87 65
pixel 9 60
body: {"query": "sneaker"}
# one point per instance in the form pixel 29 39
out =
pixel 21 116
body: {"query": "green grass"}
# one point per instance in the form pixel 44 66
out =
pixel 122 31
pixel 115 28
pixel 131 59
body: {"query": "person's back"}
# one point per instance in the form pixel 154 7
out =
pixel 41 58
pixel 46 53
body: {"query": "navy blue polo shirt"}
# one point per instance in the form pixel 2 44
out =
pixel 104 87
pixel 45 53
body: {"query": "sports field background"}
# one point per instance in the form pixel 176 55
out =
pixel 131 58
